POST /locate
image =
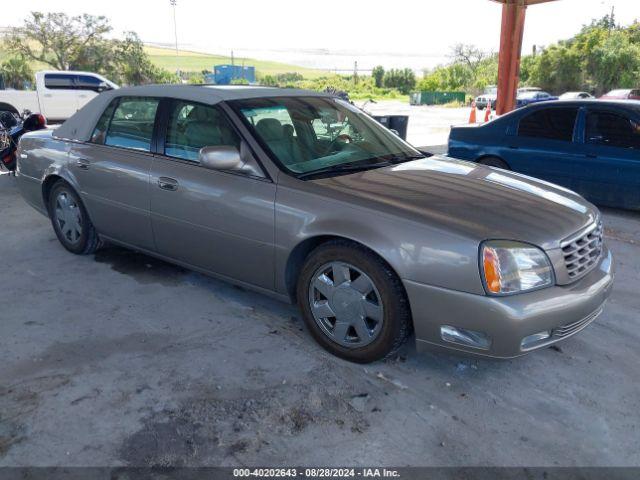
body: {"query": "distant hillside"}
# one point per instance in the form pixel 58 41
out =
pixel 195 62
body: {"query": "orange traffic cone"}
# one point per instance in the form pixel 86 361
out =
pixel 487 115
pixel 472 117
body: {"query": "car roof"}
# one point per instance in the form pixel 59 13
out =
pixel 628 105
pixel 215 93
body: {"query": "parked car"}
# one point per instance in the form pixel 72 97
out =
pixel 303 196
pixel 576 96
pixel 590 147
pixel 57 96
pixel 483 101
pixel 628 94
pixel 527 98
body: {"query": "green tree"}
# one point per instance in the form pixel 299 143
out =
pixel 404 80
pixel 616 63
pixel 378 76
pixel 63 42
pixel 132 66
pixel 16 72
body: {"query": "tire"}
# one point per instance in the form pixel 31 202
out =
pixel 379 313
pixel 494 162
pixel 70 220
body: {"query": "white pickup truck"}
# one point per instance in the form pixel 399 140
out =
pixel 58 94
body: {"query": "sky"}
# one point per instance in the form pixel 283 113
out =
pixel 333 34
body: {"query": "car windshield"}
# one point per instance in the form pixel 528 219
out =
pixel 306 135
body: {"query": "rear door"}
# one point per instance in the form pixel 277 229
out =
pixel 112 170
pixel 610 173
pixel 58 96
pixel 542 145
pixel 222 222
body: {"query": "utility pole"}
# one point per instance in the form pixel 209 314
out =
pixel 175 25
pixel 612 22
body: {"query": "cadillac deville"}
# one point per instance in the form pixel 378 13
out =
pixel 304 197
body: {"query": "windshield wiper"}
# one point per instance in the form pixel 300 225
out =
pixel 346 168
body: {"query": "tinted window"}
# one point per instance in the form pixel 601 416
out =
pixel 613 130
pixel 57 81
pixel 87 82
pixel 193 126
pixel 132 123
pixel 550 123
pixel 100 132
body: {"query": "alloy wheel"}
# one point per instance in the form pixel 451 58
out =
pixel 346 304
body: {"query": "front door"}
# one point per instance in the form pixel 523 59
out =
pixel 610 173
pixel 222 222
pixel 112 170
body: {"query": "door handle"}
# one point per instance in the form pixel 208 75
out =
pixel 167 183
pixel 83 164
pixel 513 147
pixel 591 155
pixel 48 95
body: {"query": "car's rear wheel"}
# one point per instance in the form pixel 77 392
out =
pixel 353 303
pixel 494 162
pixel 70 220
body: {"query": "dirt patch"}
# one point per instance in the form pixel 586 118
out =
pixel 143 268
pixel 217 427
pixel 87 350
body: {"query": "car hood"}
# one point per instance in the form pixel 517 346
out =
pixel 469 199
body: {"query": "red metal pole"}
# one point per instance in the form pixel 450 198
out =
pixel 513 17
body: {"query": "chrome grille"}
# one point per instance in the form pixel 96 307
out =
pixel 571 328
pixel 583 251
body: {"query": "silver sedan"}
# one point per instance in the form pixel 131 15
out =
pixel 304 197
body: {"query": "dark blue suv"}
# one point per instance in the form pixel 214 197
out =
pixel 589 146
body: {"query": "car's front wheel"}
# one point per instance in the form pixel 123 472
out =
pixel 353 303
pixel 70 220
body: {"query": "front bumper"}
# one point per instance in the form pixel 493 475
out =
pixel 562 310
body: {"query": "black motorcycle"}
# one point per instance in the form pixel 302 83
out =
pixel 12 127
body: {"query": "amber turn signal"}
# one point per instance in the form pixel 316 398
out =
pixel 491 265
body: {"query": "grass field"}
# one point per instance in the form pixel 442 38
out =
pixel 187 61
pixel 195 62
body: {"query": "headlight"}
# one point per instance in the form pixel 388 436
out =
pixel 510 267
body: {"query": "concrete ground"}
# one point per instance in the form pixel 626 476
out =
pixel 120 359
pixel 428 125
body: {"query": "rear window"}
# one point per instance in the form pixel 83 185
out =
pixel 127 122
pixel 550 124
pixel 59 81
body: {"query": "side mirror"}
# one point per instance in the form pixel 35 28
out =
pixel 220 158
pixel 103 87
pixel 227 157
